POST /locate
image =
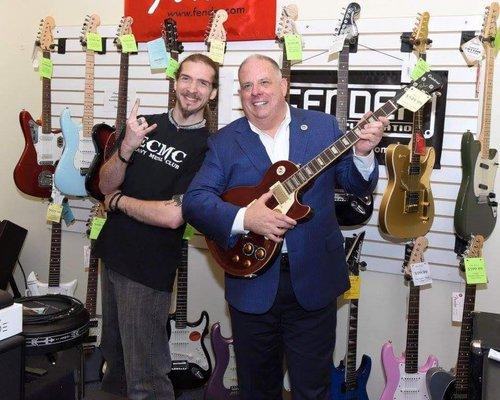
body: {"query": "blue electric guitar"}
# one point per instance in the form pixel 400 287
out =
pixel 347 382
pixel 79 150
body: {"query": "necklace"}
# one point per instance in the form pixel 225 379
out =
pixel 196 125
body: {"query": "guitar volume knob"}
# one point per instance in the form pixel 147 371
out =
pixel 248 248
pixel 260 253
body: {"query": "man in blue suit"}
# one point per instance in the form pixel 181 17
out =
pixel 290 309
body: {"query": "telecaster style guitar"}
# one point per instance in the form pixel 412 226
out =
pixel 404 379
pixel 350 209
pixel 407 207
pixel 476 206
pixel 79 149
pixel 191 366
pixel 103 135
pixel 347 382
pixel 252 252
pixel 42 145
pixel 441 384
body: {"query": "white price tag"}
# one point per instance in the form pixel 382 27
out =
pixel 494 355
pixel 57 196
pixel 86 257
pixel 35 59
pixel 421 274
pixel 338 44
pixel 457 306
pixel 473 50
pixel 409 61
pixel 413 99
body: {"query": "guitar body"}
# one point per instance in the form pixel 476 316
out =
pixel 101 134
pixel 191 366
pixel 352 210
pixel 31 177
pixel 338 386
pixel 440 384
pixel 67 177
pixel 223 384
pixel 394 218
pixel 399 384
pixel 38 288
pixel 252 252
pixel 473 214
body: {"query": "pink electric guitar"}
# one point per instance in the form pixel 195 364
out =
pixel 404 380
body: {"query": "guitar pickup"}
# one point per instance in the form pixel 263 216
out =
pixel 484 166
pixel 179 365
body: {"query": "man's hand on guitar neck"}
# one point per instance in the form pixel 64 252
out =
pixel 370 135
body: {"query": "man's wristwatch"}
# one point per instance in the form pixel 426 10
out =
pixel 177 198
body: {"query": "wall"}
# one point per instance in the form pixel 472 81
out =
pixel 383 305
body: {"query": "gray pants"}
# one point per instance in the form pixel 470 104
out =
pixel 134 339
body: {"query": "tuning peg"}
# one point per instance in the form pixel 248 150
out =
pixel 362 266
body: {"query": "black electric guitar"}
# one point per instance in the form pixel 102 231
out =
pixel 174 47
pixel 350 209
pixel 191 365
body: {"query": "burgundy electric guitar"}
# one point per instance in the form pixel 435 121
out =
pixel 252 252
pixel 42 145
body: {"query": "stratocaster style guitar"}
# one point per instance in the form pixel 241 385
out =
pixel 350 209
pixel 79 149
pixel 347 382
pixel 103 135
pixel 191 366
pixel 286 26
pixel 441 384
pixel 223 383
pixel 252 252
pixel 404 379
pixel 42 146
pixel 174 47
pixel 476 207
pixel 407 207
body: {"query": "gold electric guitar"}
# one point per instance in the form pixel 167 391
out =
pixel 407 208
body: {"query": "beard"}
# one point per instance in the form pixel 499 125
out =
pixel 188 112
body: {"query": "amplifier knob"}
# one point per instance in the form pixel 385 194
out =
pixel 248 248
pixel 260 253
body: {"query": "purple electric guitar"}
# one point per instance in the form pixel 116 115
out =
pixel 404 379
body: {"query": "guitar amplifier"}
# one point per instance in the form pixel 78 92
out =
pixel 11 241
pixel 12 368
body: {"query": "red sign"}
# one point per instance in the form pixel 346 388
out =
pixel 247 19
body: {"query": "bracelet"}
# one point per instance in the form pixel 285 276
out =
pixel 129 161
pixel 116 202
pixel 110 204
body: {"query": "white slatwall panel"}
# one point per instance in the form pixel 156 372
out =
pixel 382 34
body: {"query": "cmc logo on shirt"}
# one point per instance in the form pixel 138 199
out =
pixel 159 151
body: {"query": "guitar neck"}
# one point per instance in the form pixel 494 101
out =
pixel 171 90
pixel 411 354
pixel 121 113
pixel 55 255
pixel 286 72
pixel 182 288
pixel 343 87
pixel 462 374
pixel 88 107
pixel 91 299
pixel 352 342
pixel 418 127
pixel 212 113
pixel 46 102
pixel 484 136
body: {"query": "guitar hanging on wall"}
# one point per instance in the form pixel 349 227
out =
pixel 407 207
pixel 79 149
pixel 42 146
pixel 476 206
pixel 252 252
pixel 286 26
pixel 174 47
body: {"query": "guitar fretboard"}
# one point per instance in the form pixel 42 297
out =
pixel 342 87
pixel 484 136
pixel 286 72
pixel 88 106
pixel 352 340
pixel 182 287
pixel 121 112
pixel 171 90
pixel 55 255
pixel 46 101
pixel 411 354
pixel 91 299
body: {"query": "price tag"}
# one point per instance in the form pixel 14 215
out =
pixel 421 274
pixel 129 45
pixel 94 41
pixel 473 50
pixel 158 56
pixel 421 67
pixel 56 196
pixel 188 232
pixel 46 68
pixel 34 56
pixel 353 292
pixel 172 68
pixel 494 355
pixel 67 214
pixel 97 224
pixel 54 212
pixel 457 306
pixel 216 53
pixel 475 270
pixel 293 46
pixel 413 99
pixel 337 44
pixel 86 258
pixel 409 61
pixel 497 39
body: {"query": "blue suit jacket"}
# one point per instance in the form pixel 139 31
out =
pixel 237 157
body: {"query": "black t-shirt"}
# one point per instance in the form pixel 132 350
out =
pixel 163 166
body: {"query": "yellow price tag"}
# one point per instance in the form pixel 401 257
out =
pixel 413 99
pixel 216 53
pixel 54 212
pixel 293 46
pixel 94 41
pixel 172 68
pixel 475 270
pixel 421 67
pixel 188 232
pixel 97 224
pixel 129 45
pixel 46 68
pixel 497 39
pixel 353 292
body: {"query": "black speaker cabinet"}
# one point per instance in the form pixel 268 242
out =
pixel 11 241
pixel 12 368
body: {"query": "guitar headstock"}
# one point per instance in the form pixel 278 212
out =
pixel 427 83
pixel 217 31
pixel 171 36
pixel 489 30
pixel 474 249
pixel 90 25
pixel 354 253
pixel 415 255
pixel 44 38
pixel 124 28
pixel 347 25
pixel 286 24
pixel 419 37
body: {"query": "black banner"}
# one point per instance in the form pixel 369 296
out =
pixel 368 91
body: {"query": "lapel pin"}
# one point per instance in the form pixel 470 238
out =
pixel 303 127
